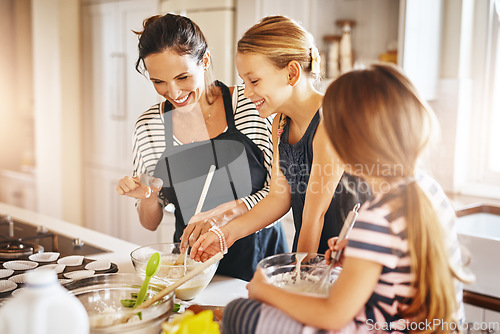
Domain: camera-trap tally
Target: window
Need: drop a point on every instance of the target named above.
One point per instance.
(483, 166)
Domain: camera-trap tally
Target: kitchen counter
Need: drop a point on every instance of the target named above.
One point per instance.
(218, 293)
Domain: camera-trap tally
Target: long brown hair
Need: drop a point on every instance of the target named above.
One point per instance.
(179, 34)
(374, 117)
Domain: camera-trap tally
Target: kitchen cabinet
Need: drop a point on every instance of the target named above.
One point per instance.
(216, 19)
(18, 189)
(114, 95)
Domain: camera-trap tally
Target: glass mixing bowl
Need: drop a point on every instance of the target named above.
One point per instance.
(101, 295)
(299, 272)
(169, 272)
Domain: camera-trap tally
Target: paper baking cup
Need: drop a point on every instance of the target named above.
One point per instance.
(79, 274)
(98, 265)
(44, 257)
(72, 260)
(58, 268)
(19, 279)
(6, 272)
(7, 285)
(15, 292)
(20, 265)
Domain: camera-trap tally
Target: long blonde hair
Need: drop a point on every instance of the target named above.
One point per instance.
(281, 39)
(374, 117)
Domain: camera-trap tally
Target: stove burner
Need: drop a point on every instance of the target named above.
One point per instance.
(15, 249)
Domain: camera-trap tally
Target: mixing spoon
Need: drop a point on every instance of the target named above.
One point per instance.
(151, 269)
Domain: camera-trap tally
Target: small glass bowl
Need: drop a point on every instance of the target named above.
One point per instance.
(169, 272)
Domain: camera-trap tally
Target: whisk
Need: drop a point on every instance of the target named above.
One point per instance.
(335, 255)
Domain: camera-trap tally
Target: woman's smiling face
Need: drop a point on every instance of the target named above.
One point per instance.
(265, 85)
(179, 79)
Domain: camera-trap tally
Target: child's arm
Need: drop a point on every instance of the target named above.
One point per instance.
(267, 211)
(325, 175)
(347, 296)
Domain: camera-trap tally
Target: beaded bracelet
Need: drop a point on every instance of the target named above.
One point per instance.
(222, 239)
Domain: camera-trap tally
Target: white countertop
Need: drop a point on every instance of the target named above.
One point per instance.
(218, 293)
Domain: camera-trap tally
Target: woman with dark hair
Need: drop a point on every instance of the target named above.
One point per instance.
(199, 117)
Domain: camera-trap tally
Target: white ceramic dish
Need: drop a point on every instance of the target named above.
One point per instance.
(20, 265)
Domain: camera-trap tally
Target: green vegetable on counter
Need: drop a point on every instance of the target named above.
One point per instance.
(177, 307)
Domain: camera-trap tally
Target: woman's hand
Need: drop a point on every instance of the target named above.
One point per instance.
(254, 286)
(334, 246)
(200, 224)
(193, 231)
(139, 187)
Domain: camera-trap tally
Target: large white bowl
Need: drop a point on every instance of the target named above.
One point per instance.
(169, 272)
(101, 296)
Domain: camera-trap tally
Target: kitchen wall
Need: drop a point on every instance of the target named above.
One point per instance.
(16, 90)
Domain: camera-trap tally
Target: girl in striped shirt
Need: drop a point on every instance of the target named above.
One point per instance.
(401, 264)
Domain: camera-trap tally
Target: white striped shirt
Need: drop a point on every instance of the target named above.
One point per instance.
(149, 138)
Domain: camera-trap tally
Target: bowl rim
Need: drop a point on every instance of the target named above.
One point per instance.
(260, 264)
(168, 299)
(144, 262)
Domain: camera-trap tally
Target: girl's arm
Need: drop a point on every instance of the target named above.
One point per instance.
(274, 206)
(346, 298)
(325, 175)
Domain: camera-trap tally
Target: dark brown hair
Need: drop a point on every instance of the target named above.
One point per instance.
(178, 34)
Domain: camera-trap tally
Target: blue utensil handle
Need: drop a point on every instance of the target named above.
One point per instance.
(346, 228)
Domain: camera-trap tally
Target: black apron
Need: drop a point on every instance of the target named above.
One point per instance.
(239, 172)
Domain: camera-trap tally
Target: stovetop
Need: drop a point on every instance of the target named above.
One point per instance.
(50, 241)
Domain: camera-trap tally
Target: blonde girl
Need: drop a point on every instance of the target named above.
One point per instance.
(399, 265)
(279, 63)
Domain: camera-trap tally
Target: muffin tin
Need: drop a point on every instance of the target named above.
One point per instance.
(69, 268)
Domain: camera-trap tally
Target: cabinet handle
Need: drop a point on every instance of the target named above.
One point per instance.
(119, 112)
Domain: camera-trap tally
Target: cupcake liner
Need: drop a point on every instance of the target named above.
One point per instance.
(58, 268)
(44, 257)
(98, 265)
(20, 265)
(72, 260)
(79, 274)
(6, 272)
(19, 279)
(7, 285)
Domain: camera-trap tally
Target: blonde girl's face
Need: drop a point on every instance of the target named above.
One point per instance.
(179, 79)
(265, 85)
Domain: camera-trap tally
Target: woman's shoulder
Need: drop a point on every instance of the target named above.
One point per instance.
(244, 109)
(150, 117)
